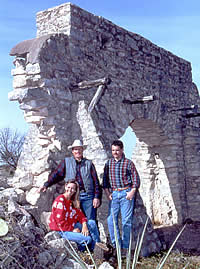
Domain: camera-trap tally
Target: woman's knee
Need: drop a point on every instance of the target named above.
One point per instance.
(87, 240)
(91, 223)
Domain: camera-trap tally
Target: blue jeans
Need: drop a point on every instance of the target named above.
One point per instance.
(81, 239)
(119, 204)
(86, 201)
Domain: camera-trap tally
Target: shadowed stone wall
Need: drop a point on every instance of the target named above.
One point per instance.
(73, 46)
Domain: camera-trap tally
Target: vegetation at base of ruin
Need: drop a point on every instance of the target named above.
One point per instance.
(11, 143)
(19, 250)
(176, 260)
(164, 260)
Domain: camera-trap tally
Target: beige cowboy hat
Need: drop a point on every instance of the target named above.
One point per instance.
(77, 143)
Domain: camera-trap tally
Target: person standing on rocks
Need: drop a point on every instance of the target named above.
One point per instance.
(120, 182)
(84, 172)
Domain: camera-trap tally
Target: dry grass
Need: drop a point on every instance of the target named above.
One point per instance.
(175, 260)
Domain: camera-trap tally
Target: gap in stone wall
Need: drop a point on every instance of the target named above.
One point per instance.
(129, 141)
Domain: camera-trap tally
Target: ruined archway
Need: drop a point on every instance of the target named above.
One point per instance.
(138, 84)
(155, 158)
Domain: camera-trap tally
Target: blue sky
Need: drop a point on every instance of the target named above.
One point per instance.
(172, 24)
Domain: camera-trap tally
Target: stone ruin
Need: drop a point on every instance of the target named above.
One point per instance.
(85, 77)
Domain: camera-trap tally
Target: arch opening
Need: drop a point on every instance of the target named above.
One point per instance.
(129, 141)
(155, 158)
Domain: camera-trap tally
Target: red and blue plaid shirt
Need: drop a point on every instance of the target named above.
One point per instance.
(120, 174)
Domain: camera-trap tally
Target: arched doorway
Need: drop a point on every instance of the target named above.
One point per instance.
(155, 157)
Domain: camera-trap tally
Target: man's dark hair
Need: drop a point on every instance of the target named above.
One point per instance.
(118, 143)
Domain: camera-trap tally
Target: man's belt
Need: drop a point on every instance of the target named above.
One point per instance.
(121, 189)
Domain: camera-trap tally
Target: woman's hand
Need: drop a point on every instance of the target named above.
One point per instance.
(85, 230)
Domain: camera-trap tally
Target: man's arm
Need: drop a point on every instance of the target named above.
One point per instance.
(135, 181)
(106, 183)
(134, 176)
(96, 182)
(108, 194)
(96, 200)
(56, 176)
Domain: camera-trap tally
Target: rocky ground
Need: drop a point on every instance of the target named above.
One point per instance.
(29, 245)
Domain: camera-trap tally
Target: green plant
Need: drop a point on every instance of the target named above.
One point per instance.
(118, 248)
(163, 260)
(75, 255)
(138, 247)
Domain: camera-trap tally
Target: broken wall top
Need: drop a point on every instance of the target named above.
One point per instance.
(85, 27)
(80, 46)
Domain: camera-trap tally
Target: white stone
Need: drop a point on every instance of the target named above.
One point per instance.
(19, 81)
(105, 265)
(33, 69)
(32, 196)
(33, 119)
(39, 180)
(39, 167)
(57, 144)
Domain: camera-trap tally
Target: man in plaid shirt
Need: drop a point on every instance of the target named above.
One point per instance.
(120, 182)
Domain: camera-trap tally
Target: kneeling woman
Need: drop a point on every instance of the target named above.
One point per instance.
(67, 218)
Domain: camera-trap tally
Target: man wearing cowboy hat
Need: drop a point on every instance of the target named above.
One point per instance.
(83, 170)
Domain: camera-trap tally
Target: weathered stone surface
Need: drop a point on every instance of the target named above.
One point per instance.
(12, 193)
(75, 46)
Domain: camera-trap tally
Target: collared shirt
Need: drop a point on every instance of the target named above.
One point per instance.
(79, 177)
(120, 173)
(59, 174)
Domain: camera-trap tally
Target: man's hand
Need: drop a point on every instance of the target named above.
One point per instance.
(96, 202)
(108, 194)
(42, 189)
(85, 230)
(130, 194)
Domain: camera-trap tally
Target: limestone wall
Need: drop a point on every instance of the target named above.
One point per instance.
(73, 46)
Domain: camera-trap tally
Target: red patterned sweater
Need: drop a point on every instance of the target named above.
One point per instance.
(64, 216)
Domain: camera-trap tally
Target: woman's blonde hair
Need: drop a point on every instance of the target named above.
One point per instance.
(75, 197)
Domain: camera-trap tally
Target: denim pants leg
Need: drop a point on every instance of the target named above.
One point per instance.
(94, 232)
(86, 201)
(114, 209)
(120, 204)
(127, 209)
(79, 238)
